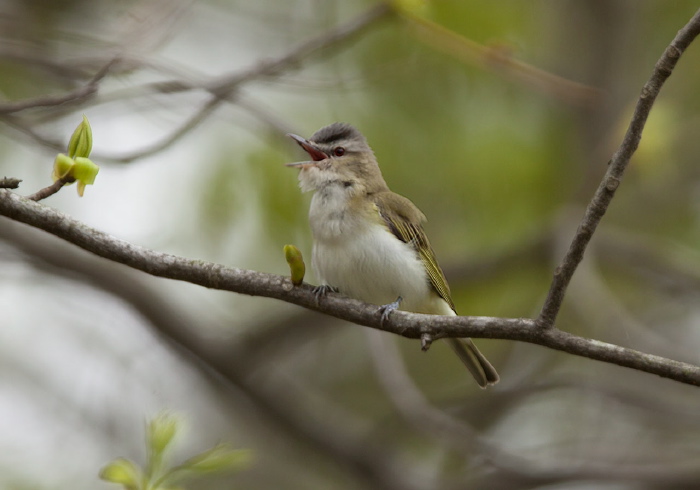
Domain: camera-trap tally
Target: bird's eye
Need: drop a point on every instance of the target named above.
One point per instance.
(339, 151)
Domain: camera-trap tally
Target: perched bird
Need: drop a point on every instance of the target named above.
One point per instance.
(369, 242)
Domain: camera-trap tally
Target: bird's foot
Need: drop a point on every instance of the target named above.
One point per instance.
(323, 290)
(426, 341)
(386, 310)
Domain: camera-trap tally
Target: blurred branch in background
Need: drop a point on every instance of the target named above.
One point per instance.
(499, 59)
(517, 471)
(224, 88)
(73, 97)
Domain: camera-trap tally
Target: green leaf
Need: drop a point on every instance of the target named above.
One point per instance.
(124, 472)
(62, 166)
(161, 432)
(84, 171)
(80, 144)
(219, 458)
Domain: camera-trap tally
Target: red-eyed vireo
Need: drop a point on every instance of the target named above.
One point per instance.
(369, 242)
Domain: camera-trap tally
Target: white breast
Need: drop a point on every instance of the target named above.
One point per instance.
(364, 260)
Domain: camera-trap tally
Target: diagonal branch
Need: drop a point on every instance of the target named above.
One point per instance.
(221, 89)
(77, 95)
(616, 167)
(410, 325)
(498, 60)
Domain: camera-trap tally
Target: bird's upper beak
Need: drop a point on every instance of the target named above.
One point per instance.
(315, 154)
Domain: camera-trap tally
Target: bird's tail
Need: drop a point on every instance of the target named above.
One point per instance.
(482, 370)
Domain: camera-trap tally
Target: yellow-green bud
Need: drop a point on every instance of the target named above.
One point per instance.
(161, 431)
(62, 167)
(297, 268)
(122, 471)
(84, 171)
(219, 458)
(80, 143)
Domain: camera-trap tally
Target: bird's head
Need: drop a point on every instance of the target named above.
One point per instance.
(340, 156)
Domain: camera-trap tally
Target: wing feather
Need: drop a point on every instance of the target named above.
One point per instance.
(407, 227)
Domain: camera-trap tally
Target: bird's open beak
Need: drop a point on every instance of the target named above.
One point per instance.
(315, 154)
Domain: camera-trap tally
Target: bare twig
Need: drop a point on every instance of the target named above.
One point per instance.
(191, 123)
(9, 183)
(616, 167)
(499, 60)
(410, 325)
(76, 95)
(221, 88)
(453, 432)
(48, 191)
(18, 124)
(410, 402)
(276, 66)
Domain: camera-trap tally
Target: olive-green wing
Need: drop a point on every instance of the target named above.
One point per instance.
(404, 220)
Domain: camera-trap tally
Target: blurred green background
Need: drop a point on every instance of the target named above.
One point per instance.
(496, 118)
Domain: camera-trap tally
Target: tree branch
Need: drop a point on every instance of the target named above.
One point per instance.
(81, 93)
(520, 472)
(48, 191)
(9, 183)
(221, 89)
(410, 325)
(616, 168)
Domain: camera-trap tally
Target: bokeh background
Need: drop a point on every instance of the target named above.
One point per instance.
(496, 118)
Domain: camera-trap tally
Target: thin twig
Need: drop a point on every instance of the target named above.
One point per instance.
(412, 404)
(410, 325)
(616, 168)
(222, 88)
(453, 432)
(499, 60)
(48, 191)
(81, 93)
(276, 66)
(9, 183)
(202, 113)
(17, 123)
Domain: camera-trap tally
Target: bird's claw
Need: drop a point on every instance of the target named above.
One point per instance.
(323, 290)
(426, 341)
(386, 310)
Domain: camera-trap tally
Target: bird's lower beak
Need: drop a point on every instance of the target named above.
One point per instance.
(301, 165)
(315, 154)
